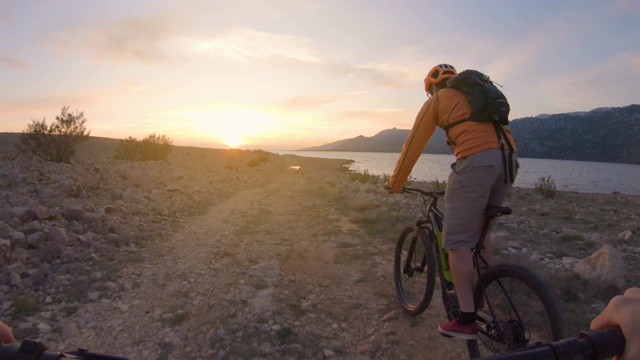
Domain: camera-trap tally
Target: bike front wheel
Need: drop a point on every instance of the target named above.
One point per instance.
(414, 270)
(516, 308)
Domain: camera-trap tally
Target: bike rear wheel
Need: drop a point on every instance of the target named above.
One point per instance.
(525, 311)
(414, 270)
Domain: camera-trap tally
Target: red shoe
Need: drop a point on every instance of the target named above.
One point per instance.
(453, 329)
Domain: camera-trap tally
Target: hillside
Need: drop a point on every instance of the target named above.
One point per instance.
(603, 134)
(389, 140)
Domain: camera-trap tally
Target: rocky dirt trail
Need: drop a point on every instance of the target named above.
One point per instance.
(233, 255)
(267, 273)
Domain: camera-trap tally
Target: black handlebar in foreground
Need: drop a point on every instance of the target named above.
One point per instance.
(33, 350)
(590, 344)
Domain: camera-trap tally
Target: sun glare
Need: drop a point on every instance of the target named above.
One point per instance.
(234, 142)
(230, 126)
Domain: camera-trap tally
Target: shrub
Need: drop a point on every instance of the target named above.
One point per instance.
(155, 147)
(55, 142)
(127, 149)
(24, 306)
(152, 147)
(546, 187)
(260, 157)
(284, 333)
(366, 177)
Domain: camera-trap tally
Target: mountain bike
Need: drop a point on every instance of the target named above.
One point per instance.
(515, 306)
(34, 350)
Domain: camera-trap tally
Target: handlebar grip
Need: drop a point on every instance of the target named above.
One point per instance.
(606, 343)
(27, 349)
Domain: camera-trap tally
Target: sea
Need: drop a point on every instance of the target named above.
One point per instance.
(568, 175)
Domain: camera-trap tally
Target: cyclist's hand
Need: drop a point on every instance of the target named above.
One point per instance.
(6, 336)
(623, 311)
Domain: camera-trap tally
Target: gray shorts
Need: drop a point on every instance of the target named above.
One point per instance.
(474, 182)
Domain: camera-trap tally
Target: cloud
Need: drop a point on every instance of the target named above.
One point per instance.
(308, 102)
(586, 89)
(244, 45)
(142, 39)
(13, 63)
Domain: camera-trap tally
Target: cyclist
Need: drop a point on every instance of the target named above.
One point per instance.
(477, 179)
(6, 336)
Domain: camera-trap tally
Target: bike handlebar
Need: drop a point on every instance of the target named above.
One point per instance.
(33, 350)
(590, 344)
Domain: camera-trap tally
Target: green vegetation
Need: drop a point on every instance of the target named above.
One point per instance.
(571, 237)
(151, 148)
(24, 306)
(259, 158)
(55, 142)
(546, 187)
(366, 177)
(284, 333)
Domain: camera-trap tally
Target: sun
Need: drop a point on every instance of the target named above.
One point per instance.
(231, 126)
(233, 142)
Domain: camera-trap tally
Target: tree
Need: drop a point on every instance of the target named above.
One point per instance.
(56, 142)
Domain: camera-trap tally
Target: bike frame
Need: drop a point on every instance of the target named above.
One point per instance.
(431, 228)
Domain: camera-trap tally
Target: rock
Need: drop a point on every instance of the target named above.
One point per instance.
(23, 214)
(625, 235)
(44, 328)
(16, 237)
(36, 239)
(328, 353)
(605, 265)
(58, 236)
(74, 209)
(41, 213)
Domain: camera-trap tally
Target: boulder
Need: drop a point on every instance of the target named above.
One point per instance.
(605, 266)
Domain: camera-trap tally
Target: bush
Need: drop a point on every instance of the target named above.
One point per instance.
(153, 147)
(260, 157)
(546, 187)
(56, 142)
(156, 147)
(127, 149)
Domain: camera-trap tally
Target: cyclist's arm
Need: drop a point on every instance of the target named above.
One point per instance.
(623, 311)
(423, 128)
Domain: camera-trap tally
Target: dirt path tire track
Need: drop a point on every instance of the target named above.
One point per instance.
(272, 272)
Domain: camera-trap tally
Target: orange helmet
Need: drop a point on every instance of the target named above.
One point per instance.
(438, 74)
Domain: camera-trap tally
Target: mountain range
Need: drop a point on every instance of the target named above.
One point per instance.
(603, 135)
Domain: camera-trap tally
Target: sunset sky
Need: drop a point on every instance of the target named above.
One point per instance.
(282, 75)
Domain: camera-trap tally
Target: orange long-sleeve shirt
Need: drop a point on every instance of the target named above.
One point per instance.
(445, 107)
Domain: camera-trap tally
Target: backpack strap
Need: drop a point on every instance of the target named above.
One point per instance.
(507, 161)
(450, 125)
(509, 177)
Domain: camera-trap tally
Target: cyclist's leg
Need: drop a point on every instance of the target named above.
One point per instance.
(497, 196)
(461, 262)
(468, 189)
